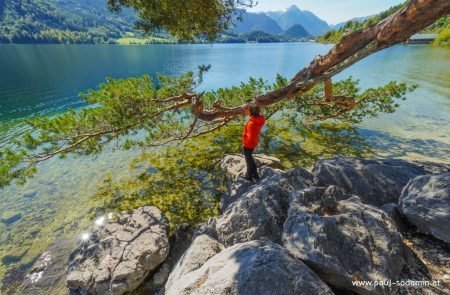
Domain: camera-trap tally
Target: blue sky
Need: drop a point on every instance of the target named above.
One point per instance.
(332, 11)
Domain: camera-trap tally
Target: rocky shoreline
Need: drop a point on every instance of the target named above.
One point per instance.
(323, 231)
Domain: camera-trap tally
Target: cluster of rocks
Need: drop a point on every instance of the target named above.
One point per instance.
(294, 232)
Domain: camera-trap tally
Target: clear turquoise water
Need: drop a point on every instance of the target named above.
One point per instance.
(42, 80)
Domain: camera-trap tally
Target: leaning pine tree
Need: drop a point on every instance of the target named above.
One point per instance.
(169, 109)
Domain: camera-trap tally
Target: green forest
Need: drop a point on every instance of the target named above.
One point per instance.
(61, 21)
(92, 22)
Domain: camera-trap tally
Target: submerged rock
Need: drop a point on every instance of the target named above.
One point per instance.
(257, 267)
(353, 242)
(10, 217)
(376, 182)
(118, 256)
(425, 202)
(29, 194)
(48, 273)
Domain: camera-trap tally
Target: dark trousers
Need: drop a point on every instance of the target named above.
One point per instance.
(252, 169)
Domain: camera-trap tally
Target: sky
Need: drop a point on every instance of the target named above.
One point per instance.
(332, 11)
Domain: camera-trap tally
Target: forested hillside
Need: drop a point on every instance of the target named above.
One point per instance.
(61, 21)
(297, 31)
(334, 36)
(441, 27)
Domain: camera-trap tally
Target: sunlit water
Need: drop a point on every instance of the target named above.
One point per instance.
(43, 80)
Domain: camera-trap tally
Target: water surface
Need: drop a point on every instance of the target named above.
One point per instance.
(44, 80)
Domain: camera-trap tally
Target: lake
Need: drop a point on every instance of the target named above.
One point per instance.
(46, 80)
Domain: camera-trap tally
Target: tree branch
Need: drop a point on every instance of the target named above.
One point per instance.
(414, 17)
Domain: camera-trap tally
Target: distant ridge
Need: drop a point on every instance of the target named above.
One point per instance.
(297, 31)
(294, 16)
(257, 22)
(358, 19)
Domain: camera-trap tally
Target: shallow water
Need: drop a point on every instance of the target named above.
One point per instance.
(36, 80)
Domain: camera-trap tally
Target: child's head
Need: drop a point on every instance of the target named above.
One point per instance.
(253, 110)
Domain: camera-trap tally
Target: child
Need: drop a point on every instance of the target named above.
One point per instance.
(250, 139)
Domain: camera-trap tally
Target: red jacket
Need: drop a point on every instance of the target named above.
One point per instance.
(252, 130)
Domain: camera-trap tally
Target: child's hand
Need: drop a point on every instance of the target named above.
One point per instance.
(246, 110)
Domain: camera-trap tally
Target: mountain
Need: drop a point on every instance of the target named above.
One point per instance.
(294, 16)
(297, 31)
(257, 22)
(61, 21)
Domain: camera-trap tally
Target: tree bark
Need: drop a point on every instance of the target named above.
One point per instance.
(397, 28)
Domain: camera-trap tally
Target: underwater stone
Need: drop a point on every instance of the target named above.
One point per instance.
(10, 217)
(29, 194)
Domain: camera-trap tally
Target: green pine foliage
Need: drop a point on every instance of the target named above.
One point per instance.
(136, 112)
(184, 181)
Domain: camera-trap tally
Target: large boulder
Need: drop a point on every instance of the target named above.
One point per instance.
(343, 240)
(239, 187)
(257, 267)
(234, 166)
(200, 251)
(376, 182)
(117, 256)
(425, 202)
(259, 214)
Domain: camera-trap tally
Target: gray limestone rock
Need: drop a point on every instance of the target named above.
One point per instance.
(257, 267)
(425, 202)
(118, 256)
